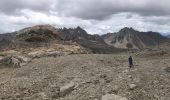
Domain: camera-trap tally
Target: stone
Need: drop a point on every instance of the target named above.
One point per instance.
(36, 54)
(54, 53)
(23, 59)
(96, 81)
(113, 97)
(50, 50)
(132, 86)
(64, 90)
(103, 76)
(11, 61)
(1, 59)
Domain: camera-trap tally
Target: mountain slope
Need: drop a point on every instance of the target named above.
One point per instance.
(130, 38)
(46, 35)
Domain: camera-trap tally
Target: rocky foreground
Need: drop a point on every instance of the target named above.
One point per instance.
(88, 77)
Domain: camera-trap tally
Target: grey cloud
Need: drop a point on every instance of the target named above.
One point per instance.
(160, 20)
(89, 9)
(14, 6)
(101, 9)
(96, 16)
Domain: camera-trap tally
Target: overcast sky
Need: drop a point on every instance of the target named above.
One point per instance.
(95, 16)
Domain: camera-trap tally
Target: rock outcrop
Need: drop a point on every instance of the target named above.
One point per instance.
(39, 33)
(11, 62)
(14, 61)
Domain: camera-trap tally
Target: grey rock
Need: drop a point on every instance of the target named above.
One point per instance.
(113, 97)
(11, 61)
(64, 90)
(132, 86)
(54, 53)
(23, 59)
(36, 54)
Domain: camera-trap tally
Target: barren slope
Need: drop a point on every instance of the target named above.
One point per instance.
(94, 76)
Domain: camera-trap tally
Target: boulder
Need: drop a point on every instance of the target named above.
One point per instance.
(23, 59)
(66, 89)
(113, 97)
(36, 54)
(11, 61)
(54, 53)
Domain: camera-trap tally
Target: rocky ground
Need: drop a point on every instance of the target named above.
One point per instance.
(88, 77)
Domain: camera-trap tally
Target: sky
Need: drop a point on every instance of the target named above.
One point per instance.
(95, 16)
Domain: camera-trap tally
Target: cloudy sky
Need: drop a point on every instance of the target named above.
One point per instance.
(96, 16)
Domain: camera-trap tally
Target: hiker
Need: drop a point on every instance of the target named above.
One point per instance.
(130, 62)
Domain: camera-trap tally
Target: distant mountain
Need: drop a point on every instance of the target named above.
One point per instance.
(130, 38)
(92, 42)
(44, 35)
(76, 34)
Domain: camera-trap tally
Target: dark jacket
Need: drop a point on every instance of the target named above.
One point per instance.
(130, 60)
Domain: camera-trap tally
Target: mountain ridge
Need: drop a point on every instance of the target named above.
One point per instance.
(43, 35)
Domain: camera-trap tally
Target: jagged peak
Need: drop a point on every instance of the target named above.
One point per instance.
(78, 27)
(127, 29)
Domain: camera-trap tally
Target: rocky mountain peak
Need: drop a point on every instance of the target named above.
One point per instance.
(79, 28)
(130, 38)
(41, 33)
(127, 30)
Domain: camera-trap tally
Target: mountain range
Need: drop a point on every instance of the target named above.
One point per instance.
(42, 35)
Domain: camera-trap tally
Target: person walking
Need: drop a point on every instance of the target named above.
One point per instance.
(130, 62)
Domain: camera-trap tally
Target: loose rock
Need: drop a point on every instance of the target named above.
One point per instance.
(11, 61)
(113, 97)
(54, 53)
(67, 89)
(132, 86)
